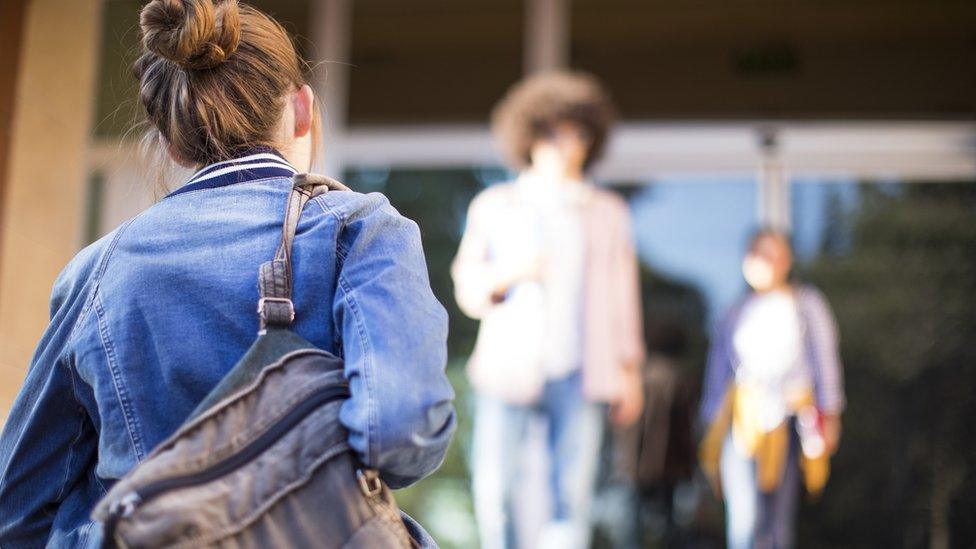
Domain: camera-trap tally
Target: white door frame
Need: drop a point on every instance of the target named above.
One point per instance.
(931, 151)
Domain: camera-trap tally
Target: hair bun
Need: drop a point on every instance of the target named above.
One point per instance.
(196, 34)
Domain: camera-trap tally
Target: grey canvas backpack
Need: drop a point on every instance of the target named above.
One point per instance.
(263, 461)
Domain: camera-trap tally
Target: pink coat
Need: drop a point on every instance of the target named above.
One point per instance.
(506, 355)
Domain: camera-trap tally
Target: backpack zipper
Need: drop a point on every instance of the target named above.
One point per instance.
(127, 504)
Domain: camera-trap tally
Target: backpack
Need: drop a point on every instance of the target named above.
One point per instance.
(263, 461)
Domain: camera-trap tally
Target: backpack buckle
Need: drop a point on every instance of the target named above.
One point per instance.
(124, 507)
(262, 309)
(369, 482)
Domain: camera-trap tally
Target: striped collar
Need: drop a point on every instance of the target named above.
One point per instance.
(259, 163)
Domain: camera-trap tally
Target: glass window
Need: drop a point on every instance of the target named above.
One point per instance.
(748, 60)
(437, 199)
(694, 230)
(689, 232)
(897, 262)
(117, 108)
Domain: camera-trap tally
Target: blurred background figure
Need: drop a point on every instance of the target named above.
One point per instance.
(649, 459)
(772, 398)
(548, 265)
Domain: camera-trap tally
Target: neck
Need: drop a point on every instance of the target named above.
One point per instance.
(561, 174)
(781, 287)
(298, 154)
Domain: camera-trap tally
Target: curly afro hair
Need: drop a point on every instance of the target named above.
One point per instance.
(533, 107)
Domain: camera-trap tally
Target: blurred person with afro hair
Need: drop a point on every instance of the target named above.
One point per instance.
(547, 264)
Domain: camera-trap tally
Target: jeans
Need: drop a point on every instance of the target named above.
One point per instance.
(575, 429)
(753, 518)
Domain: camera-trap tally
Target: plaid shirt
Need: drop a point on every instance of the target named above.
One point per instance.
(821, 354)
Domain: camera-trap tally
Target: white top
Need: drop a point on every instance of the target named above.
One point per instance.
(557, 243)
(514, 335)
(768, 343)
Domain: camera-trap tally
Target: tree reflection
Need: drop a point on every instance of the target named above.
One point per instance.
(899, 269)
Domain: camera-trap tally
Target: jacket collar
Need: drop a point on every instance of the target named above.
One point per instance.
(256, 163)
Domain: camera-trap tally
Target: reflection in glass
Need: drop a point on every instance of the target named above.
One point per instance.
(898, 263)
(695, 230)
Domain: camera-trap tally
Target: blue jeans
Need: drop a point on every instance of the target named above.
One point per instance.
(575, 429)
(753, 518)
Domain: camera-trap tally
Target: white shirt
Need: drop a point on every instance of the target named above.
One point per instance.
(514, 334)
(768, 342)
(557, 241)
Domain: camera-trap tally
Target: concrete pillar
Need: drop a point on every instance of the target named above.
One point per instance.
(774, 184)
(546, 42)
(331, 29)
(47, 171)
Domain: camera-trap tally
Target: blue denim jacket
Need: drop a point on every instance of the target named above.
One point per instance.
(147, 320)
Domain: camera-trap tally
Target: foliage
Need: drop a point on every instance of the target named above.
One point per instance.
(900, 273)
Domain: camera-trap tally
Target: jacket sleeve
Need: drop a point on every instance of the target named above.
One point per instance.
(400, 416)
(472, 271)
(824, 352)
(631, 328)
(48, 444)
(718, 372)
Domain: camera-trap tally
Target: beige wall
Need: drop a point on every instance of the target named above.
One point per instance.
(48, 161)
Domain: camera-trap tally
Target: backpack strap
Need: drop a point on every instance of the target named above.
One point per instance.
(275, 307)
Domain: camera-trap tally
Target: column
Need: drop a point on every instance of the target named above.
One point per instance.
(774, 184)
(47, 169)
(546, 41)
(331, 30)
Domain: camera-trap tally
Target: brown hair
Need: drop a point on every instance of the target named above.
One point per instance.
(213, 77)
(532, 108)
(769, 232)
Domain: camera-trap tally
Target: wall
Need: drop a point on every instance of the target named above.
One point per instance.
(47, 166)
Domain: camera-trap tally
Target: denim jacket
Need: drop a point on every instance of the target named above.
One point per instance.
(147, 320)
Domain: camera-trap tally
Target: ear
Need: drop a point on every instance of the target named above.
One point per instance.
(303, 100)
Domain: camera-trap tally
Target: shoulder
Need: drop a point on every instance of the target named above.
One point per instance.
(606, 197)
(608, 203)
(83, 270)
(811, 297)
(609, 214)
(494, 196)
(369, 219)
(490, 203)
(350, 206)
(813, 303)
